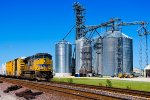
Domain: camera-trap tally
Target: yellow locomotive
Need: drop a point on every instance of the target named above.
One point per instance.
(38, 66)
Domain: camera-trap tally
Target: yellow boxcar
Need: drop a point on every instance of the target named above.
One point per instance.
(9, 68)
(14, 67)
(38, 66)
(20, 66)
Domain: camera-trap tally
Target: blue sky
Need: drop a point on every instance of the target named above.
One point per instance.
(31, 26)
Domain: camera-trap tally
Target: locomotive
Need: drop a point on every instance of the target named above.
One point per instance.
(35, 67)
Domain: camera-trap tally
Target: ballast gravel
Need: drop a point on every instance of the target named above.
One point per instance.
(45, 96)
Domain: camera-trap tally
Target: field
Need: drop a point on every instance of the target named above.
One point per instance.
(134, 85)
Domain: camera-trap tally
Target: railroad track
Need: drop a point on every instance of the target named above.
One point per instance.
(111, 89)
(86, 91)
(46, 87)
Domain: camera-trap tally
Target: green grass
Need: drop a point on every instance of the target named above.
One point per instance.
(134, 85)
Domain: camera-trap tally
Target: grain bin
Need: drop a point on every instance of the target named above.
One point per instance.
(117, 53)
(83, 57)
(63, 53)
(98, 55)
(127, 54)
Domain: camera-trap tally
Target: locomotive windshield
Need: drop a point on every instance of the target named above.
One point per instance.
(48, 56)
(39, 56)
(43, 56)
(44, 65)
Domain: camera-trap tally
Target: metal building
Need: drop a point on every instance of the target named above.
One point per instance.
(97, 56)
(147, 71)
(117, 53)
(83, 57)
(63, 54)
(87, 58)
(127, 54)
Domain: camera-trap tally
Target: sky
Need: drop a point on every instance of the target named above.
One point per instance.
(28, 27)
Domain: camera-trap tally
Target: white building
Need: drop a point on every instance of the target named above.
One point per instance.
(137, 72)
(3, 69)
(147, 71)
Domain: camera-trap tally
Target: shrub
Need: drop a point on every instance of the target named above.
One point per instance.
(61, 80)
(108, 83)
(70, 80)
(128, 87)
(100, 84)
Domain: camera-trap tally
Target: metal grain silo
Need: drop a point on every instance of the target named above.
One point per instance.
(97, 56)
(117, 53)
(87, 58)
(83, 57)
(127, 54)
(63, 53)
(109, 56)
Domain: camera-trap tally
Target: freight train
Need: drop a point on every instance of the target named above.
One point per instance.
(35, 67)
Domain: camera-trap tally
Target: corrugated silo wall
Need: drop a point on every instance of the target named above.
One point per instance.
(98, 56)
(127, 55)
(63, 53)
(79, 45)
(109, 58)
(79, 55)
(111, 55)
(87, 57)
(83, 55)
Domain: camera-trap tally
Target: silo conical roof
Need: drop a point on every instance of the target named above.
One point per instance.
(116, 34)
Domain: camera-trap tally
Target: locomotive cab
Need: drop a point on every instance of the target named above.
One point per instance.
(39, 67)
(43, 66)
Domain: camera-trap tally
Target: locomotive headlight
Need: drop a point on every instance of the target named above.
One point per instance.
(44, 60)
(41, 67)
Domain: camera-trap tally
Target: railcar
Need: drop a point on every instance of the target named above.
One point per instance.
(38, 66)
(35, 67)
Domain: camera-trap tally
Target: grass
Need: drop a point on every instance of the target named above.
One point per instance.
(134, 85)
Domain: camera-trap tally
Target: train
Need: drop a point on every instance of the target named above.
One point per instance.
(36, 67)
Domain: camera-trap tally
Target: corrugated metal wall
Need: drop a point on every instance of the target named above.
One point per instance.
(117, 54)
(109, 59)
(98, 55)
(63, 54)
(127, 55)
(83, 55)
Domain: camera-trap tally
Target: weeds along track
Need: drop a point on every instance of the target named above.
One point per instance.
(78, 94)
